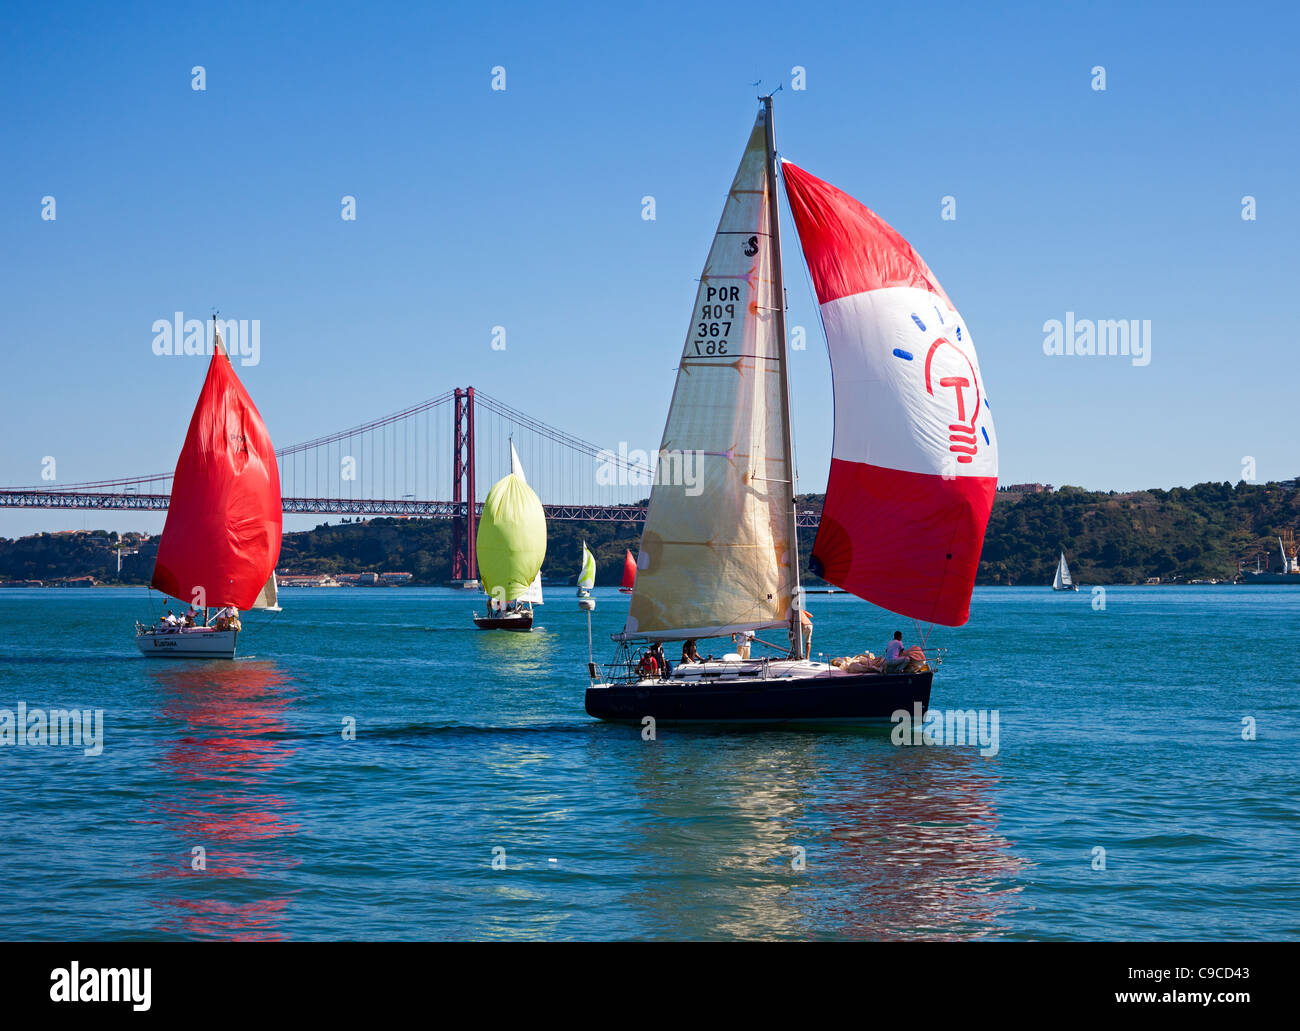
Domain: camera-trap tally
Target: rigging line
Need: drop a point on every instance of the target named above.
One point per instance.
(528, 422)
(373, 424)
(281, 453)
(785, 303)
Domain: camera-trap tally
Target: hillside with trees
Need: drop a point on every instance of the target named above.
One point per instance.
(1196, 532)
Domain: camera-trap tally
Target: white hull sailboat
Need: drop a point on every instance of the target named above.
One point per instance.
(186, 642)
(215, 636)
(221, 539)
(912, 478)
(1062, 581)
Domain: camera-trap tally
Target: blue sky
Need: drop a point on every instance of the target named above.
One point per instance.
(522, 208)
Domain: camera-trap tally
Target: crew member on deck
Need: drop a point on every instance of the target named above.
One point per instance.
(649, 665)
(742, 641)
(690, 653)
(658, 652)
(894, 660)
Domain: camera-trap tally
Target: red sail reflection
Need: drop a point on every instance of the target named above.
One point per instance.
(227, 749)
(916, 851)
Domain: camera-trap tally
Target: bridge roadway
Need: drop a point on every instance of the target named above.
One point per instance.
(131, 501)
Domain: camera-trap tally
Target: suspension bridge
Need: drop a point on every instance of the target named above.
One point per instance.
(433, 460)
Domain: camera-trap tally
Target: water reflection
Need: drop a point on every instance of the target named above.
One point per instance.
(913, 846)
(512, 654)
(226, 752)
(899, 842)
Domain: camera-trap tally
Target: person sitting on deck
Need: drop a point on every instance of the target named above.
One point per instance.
(690, 653)
(649, 665)
(894, 660)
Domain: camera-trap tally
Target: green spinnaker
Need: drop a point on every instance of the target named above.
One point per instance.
(511, 540)
(587, 578)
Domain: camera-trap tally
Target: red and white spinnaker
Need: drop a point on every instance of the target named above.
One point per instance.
(915, 460)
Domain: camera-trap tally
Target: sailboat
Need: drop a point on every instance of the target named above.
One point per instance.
(1063, 581)
(511, 547)
(586, 576)
(221, 539)
(629, 574)
(912, 478)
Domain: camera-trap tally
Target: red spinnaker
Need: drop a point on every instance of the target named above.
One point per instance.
(914, 467)
(629, 573)
(222, 536)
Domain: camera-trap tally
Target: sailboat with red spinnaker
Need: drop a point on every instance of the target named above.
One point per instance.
(224, 522)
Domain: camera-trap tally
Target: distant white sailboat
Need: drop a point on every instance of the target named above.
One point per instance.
(1063, 581)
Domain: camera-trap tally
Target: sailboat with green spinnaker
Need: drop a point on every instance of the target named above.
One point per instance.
(511, 547)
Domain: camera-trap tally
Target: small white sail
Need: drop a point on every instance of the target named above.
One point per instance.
(1062, 580)
(717, 554)
(267, 598)
(534, 592)
(515, 466)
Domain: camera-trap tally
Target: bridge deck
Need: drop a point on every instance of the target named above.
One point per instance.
(119, 501)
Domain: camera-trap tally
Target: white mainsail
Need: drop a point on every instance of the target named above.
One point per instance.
(267, 597)
(534, 592)
(718, 553)
(1062, 580)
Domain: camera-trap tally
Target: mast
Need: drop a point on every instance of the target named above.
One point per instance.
(774, 227)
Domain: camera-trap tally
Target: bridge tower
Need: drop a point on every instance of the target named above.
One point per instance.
(464, 564)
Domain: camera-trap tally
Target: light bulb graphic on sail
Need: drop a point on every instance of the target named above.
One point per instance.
(950, 377)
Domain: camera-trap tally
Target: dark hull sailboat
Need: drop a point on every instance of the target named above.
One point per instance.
(866, 698)
(511, 546)
(912, 479)
(521, 622)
